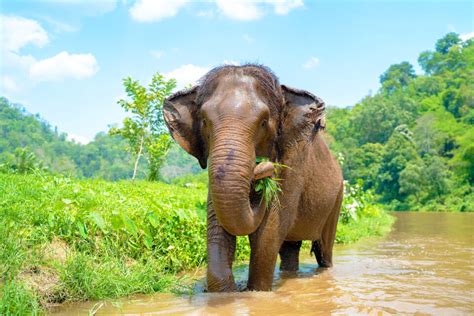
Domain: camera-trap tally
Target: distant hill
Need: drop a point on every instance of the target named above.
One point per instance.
(23, 134)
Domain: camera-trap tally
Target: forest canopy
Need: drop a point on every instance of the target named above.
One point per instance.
(413, 141)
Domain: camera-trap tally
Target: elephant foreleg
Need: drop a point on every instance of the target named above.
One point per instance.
(220, 255)
(264, 244)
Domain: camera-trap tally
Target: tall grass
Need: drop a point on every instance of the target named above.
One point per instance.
(65, 239)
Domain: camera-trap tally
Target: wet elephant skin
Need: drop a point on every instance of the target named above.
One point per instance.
(235, 114)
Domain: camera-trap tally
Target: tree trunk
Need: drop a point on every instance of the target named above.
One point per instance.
(138, 158)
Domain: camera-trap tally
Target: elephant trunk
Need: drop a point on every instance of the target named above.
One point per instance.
(231, 171)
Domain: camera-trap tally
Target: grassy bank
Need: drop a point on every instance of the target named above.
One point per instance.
(65, 239)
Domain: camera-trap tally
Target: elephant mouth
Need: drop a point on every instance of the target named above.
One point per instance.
(261, 170)
(255, 198)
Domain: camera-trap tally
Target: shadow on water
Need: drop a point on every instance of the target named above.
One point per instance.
(425, 265)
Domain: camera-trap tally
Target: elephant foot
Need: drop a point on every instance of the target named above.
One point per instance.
(221, 283)
(261, 287)
(220, 287)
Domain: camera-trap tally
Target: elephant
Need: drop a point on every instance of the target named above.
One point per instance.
(233, 115)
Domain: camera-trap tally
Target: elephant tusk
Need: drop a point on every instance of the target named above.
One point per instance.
(264, 170)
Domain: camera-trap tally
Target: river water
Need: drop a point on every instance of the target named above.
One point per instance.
(425, 266)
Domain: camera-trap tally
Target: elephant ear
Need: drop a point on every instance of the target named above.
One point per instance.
(302, 115)
(181, 114)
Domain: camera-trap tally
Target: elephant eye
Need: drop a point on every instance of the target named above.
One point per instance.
(264, 123)
(204, 122)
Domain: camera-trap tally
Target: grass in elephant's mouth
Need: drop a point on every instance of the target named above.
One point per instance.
(269, 187)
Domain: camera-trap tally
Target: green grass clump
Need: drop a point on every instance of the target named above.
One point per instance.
(269, 187)
(17, 299)
(364, 227)
(118, 238)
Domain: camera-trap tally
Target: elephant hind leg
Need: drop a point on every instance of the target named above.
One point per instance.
(289, 254)
(324, 260)
(322, 248)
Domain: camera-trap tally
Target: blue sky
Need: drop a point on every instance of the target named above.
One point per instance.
(65, 59)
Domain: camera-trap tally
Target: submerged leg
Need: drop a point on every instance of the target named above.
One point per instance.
(289, 254)
(264, 244)
(323, 248)
(220, 255)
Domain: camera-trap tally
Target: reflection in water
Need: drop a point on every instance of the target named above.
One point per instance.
(424, 266)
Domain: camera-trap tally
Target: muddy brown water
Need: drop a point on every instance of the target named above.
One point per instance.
(424, 266)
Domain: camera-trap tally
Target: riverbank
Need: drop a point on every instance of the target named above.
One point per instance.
(64, 239)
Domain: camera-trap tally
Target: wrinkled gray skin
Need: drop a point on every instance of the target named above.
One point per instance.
(228, 120)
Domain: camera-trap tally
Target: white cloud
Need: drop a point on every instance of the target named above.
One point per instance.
(247, 10)
(466, 36)
(64, 65)
(78, 139)
(311, 63)
(240, 9)
(18, 32)
(187, 74)
(17, 62)
(248, 38)
(282, 7)
(244, 10)
(205, 13)
(9, 85)
(155, 10)
(156, 53)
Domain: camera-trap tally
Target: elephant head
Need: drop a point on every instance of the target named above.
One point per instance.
(235, 114)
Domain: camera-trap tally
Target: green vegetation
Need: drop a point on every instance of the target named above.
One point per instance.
(21, 132)
(269, 187)
(27, 141)
(412, 142)
(65, 239)
(145, 130)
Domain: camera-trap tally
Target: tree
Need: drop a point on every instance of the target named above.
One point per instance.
(428, 139)
(397, 76)
(145, 129)
(374, 118)
(399, 151)
(411, 180)
(436, 174)
(449, 40)
(25, 161)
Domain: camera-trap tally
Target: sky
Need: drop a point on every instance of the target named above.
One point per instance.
(65, 59)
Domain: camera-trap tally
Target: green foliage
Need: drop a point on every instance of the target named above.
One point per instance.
(397, 77)
(269, 187)
(364, 227)
(44, 148)
(412, 142)
(120, 238)
(17, 299)
(444, 44)
(145, 129)
(25, 161)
